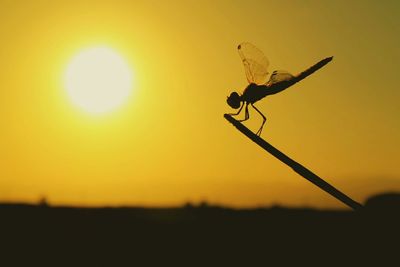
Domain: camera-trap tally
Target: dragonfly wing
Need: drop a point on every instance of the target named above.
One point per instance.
(279, 76)
(255, 63)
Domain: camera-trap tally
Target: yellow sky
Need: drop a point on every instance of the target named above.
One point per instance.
(169, 143)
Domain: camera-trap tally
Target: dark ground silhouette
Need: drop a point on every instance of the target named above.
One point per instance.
(42, 235)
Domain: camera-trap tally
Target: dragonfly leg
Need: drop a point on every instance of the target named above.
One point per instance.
(264, 120)
(237, 113)
(246, 113)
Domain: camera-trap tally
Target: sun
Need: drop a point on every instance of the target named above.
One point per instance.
(98, 80)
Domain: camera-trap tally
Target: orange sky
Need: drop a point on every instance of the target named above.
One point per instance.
(169, 143)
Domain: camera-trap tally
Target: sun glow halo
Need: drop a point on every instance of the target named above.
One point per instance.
(98, 80)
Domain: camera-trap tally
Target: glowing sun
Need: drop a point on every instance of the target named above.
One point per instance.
(98, 80)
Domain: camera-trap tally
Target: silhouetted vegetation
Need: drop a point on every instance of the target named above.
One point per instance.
(197, 235)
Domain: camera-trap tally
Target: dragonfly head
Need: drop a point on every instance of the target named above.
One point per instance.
(234, 100)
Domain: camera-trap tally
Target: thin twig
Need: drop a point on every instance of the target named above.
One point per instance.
(297, 167)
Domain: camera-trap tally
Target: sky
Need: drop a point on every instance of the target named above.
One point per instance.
(169, 144)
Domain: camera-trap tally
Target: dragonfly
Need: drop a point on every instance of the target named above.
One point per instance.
(256, 68)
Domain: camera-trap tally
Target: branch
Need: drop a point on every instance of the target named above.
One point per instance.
(297, 167)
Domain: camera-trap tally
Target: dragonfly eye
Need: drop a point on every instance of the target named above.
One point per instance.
(233, 100)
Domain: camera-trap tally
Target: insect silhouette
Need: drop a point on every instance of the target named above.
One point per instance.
(256, 68)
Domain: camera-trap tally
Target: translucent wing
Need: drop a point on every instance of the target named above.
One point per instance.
(279, 76)
(255, 63)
